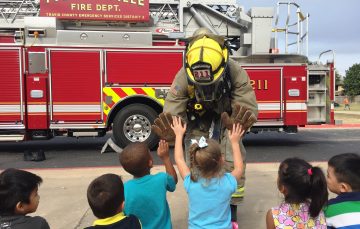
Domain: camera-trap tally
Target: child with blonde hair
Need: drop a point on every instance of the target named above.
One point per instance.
(209, 189)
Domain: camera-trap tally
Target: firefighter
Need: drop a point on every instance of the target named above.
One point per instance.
(203, 93)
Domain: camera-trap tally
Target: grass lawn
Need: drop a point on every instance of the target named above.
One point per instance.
(349, 118)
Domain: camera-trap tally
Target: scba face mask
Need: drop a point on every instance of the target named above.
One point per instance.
(210, 93)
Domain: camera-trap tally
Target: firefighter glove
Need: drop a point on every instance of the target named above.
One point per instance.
(162, 127)
(240, 114)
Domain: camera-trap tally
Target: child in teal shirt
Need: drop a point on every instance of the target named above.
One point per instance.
(145, 195)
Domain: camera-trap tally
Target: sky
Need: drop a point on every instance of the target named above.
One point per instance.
(333, 24)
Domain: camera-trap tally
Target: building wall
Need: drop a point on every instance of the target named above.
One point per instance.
(340, 99)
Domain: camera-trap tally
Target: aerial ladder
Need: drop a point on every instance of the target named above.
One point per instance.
(248, 33)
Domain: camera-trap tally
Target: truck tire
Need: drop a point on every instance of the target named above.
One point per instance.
(133, 124)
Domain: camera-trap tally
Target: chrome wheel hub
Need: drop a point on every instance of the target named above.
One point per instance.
(137, 128)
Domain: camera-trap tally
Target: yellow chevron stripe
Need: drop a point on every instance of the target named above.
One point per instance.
(128, 90)
(151, 92)
(106, 109)
(110, 92)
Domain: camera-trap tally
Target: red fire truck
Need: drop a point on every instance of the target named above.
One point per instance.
(71, 69)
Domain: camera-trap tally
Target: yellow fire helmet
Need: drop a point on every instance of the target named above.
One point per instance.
(205, 61)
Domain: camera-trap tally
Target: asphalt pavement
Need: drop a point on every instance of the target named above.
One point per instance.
(63, 196)
(72, 164)
(310, 144)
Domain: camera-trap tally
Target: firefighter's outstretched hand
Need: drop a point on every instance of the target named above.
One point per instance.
(240, 114)
(162, 127)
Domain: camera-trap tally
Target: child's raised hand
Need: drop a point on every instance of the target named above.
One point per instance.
(178, 127)
(163, 149)
(236, 133)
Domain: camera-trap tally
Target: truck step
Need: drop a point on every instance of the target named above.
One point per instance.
(85, 134)
(12, 138)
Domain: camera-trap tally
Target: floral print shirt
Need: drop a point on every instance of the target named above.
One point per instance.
(289, 216)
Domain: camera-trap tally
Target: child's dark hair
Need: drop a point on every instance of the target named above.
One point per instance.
(206, 161)
(135, 159)
(16, 186)
(303, 183)
(105, 195)
(347, 169)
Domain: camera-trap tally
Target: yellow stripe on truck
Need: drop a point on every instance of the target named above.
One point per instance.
(106, 109)
(151, 92)
(129, 91)
(110, 92)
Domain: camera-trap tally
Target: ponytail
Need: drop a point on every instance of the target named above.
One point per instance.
(303, 183)
(319, 193)
(192, 152)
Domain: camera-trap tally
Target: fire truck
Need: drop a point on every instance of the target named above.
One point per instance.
(83, 69)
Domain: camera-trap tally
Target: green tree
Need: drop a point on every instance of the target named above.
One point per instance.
(337, 77)
(352, 80)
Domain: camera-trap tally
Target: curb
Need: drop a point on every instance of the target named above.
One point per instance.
(332, 126)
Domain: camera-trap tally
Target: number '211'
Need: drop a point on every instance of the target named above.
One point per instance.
(259, 84)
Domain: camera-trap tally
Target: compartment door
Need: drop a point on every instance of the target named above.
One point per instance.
(75, 86)
(155, 67)
(267, 84)
(11, 89)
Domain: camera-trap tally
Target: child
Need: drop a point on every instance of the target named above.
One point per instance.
(145, 195)
(305, 192)
(343, 178)
(208, 187)
(105, 195)
(19, 197)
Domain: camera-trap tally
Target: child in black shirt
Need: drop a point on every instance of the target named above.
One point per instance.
(19, 197)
